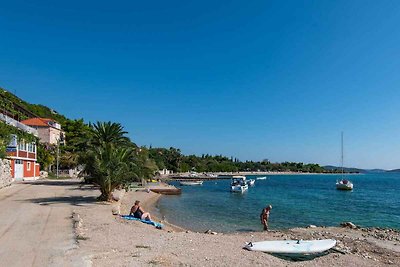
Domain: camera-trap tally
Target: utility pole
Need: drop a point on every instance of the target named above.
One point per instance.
(58, 152)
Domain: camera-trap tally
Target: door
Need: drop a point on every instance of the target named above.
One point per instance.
(18, 170)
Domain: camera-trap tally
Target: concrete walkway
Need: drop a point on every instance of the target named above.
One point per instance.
(36, 226)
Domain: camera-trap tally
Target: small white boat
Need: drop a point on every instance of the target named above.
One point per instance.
(292, 246)
(191, 182)
(262, 178)
(239, 184)
(251, 182)
(344, 185)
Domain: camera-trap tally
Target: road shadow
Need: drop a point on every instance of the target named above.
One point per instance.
(72, 200)
(54, 182)
(81, 199)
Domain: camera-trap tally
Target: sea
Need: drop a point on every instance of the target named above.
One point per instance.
(297, 201)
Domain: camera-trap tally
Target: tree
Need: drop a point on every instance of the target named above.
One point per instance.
(108, 133)
(112, 160)
(45, 157)
(110, 168)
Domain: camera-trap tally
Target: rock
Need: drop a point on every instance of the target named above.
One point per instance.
(348, 225)
(44, 174)
(116, 210)
(117, 195)
(210, 232)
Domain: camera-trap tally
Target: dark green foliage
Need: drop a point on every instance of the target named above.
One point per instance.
(112, 161)
(45, 156)
(21, 109)
(172, 159)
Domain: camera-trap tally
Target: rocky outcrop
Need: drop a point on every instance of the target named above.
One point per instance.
(5, 173)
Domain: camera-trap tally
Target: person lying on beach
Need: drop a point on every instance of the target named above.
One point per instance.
(264, 216)
(138, 212)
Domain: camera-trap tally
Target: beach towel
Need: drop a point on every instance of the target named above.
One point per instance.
(131, 218)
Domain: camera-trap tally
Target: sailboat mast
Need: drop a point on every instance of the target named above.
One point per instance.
(342, 155)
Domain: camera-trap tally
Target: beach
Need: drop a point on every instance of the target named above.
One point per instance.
(61, 223)
(110, 240)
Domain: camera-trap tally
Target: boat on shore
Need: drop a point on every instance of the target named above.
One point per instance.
(239, 184)
(292, 247)
(167, 191)
(191, 182)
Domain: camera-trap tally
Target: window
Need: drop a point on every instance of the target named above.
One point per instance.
(31, 147)
(28, 166)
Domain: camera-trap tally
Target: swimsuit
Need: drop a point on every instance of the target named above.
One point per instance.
(138, 214)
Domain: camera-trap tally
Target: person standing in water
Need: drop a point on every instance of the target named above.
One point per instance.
(264, 216)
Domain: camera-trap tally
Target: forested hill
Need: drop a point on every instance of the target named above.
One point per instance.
(21, 110)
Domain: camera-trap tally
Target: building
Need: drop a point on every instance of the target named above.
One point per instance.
(49, 130)
(23, 155)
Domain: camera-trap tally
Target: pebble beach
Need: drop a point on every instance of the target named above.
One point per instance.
(106, 239)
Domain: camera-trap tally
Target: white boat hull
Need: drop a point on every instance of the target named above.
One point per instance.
(239, 188)
(292, 246)
(340, 185)
(191, 183)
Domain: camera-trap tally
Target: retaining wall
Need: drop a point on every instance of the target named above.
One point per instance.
(5, 173)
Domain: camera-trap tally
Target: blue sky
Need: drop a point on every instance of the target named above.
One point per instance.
(249, 79)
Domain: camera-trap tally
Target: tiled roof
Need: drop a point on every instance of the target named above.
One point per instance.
(37, 122)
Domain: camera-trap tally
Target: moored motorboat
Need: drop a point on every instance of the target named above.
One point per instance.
(239, 184)
(251, 182)
(191, 182)
(344, 185)
(262, 178)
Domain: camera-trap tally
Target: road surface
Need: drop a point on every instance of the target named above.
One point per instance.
(36, 226)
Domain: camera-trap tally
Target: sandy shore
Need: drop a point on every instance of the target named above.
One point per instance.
(110, 240)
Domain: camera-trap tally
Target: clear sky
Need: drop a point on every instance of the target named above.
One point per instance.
(250, 79)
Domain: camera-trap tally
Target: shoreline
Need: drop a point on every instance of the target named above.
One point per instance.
(132, 243)
(153, 209)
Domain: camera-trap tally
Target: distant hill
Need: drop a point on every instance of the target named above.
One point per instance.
(345, 169)
(395, 170)
(376, 170)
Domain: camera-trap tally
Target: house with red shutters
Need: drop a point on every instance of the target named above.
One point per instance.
(22, 153)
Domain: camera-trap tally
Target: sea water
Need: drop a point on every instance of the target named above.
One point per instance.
(297, 200)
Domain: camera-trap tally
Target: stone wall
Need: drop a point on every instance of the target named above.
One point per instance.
(5, 173)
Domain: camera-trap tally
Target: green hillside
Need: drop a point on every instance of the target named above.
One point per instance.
(19, 109)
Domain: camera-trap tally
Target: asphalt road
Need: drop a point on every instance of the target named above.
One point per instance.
(36, 226)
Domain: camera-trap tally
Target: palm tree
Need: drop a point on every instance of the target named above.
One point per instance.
(112, 160)
(109, 133)
(110, 168)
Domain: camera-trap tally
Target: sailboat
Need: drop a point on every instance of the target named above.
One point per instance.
(343, 184)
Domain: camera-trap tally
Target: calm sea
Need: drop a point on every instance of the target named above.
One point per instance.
(297, 200)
